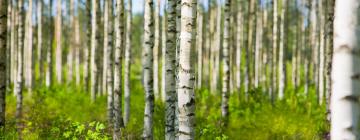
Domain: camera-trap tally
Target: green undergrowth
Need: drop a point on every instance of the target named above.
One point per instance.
(66, 112)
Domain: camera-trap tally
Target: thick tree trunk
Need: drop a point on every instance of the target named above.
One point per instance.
(3, 34)
(119, 32)
(127, 88)
(346, 72)
(170, 68)
(147, 63)
(186, 97)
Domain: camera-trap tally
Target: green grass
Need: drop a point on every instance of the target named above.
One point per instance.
(66, 112)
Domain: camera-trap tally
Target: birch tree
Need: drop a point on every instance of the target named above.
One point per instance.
(39, 12)
(239, 43)
(108, 45)
(3, 34)
(19, 83)
(156, 49)
(274, 48)
(226, 62)
(186, 97)
(58, 42)
(345, 74)
(49, 51)
(28, 56)
(170, 68)
(119, 31)
(94, 48)
(147, 58)
(321, 53)
(282, 49)
(199, 43)
(128, 38)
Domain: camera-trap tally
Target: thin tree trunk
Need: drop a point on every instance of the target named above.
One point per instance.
(226, 63)
(94, 48)
(329, 53)
(163, 49)
(345, 74)
(3, 74)
(58, 42)
(147, 58)
(119, 31)
(40, 49)
(108, 49)
(199, 43)
(13, 45)
(322, 53)
(239, 43)
(282, 52)
(49, 51)
(8, 46)
(156, 49)
(87, 47)
(71, 47)
(258, 46)
(274, 48)
(127, 88)
(77, 48)
(19, 84)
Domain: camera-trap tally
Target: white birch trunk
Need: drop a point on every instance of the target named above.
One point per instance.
(156, 49)
(28, 50)
(239, 44)
(108, 48)
(274, 48)
(226, 63)
(199, 44)
(93, 53)
(127, 89)
(58, 42)
(282, 49)
(119, 32)
(163, 49)
(147, 63)
(186, 97)
(19, 84)
(170, 70)
(346, 72)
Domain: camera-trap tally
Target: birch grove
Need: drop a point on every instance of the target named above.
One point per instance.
(179, 69)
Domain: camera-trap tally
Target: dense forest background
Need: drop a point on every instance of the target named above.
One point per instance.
(192, 69)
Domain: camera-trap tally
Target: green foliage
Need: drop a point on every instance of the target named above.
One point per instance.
(66, 112)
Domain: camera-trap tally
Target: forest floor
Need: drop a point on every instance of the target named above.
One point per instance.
(66, 112)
